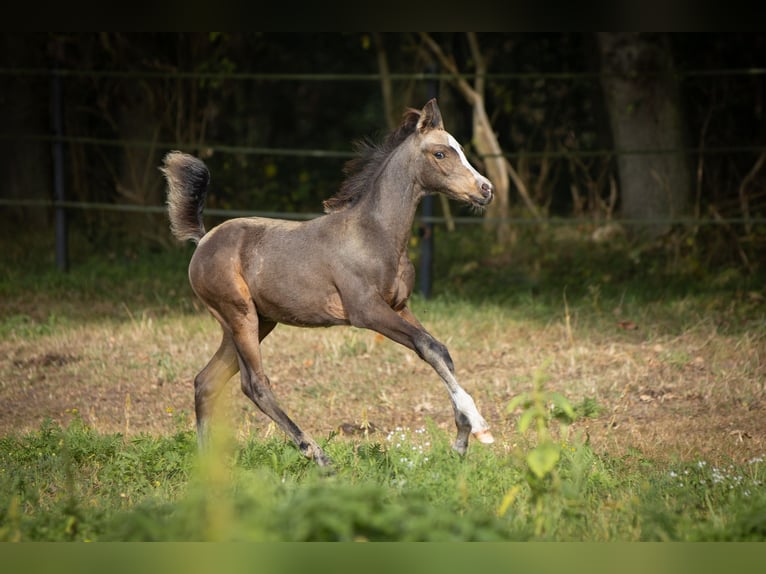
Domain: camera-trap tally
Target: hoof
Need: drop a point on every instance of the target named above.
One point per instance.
(326, 469)
(484, 436)
(322, 461)
(312, 451)
(460, 448)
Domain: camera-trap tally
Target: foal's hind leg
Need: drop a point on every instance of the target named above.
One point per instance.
(256, 385)
(209, 383)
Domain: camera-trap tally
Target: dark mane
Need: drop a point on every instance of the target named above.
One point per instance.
(361, 170)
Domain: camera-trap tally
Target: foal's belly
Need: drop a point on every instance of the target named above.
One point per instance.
(298, 300)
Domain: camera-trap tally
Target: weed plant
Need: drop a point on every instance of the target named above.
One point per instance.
(68, 484)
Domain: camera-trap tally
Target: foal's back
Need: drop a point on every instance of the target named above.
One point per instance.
(285, 268)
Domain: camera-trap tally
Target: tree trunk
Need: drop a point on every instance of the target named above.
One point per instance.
(643, 102)
(25, 164)
(484, 138)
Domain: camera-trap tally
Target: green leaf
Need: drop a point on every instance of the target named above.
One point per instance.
(542, 459)
(516, 402)
(526, 419)
(563, 404)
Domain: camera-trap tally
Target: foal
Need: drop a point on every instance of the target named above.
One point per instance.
(348, 267)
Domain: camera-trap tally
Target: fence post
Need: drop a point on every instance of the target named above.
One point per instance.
(59, 193)
(427, 211)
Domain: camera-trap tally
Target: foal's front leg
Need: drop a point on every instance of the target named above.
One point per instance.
(467, 417)
(404, 328)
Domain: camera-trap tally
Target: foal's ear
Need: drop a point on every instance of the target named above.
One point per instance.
(430, 117)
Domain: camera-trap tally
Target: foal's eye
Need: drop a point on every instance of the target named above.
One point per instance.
(439, 155)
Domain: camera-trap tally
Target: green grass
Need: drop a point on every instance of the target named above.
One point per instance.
(549, 267)
(701, 330)
(73, 484)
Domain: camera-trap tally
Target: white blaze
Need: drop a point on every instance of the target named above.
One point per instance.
(464, 160)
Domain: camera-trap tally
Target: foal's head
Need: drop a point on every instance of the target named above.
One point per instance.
(439, 162)
(442, 164)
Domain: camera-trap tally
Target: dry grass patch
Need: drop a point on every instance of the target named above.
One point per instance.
(668, 391)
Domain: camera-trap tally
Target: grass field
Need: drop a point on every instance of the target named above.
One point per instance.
(625, 390)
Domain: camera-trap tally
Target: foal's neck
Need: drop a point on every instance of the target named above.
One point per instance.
(392, 203)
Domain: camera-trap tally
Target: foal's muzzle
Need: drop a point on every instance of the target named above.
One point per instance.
(486, 192)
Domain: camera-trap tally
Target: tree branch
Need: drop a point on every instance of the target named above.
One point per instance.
(385, 80)
(743, 202)
(479, 62)
(522, 189)
(468, 92)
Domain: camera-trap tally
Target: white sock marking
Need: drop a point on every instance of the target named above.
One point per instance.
(465, 404)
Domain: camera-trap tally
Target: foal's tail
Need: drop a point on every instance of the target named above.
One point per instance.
(187, 178)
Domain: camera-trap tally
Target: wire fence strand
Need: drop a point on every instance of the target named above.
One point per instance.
(348, 77)
(463, 220)
(348, 154)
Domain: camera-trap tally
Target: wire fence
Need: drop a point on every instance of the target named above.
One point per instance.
(301, 216)
(356, 77)
(351, 77)
(343, 154)
(57, 139)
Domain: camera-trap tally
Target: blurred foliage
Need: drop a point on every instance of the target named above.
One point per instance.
(134, 99)
(74, 484)
(552, 258)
